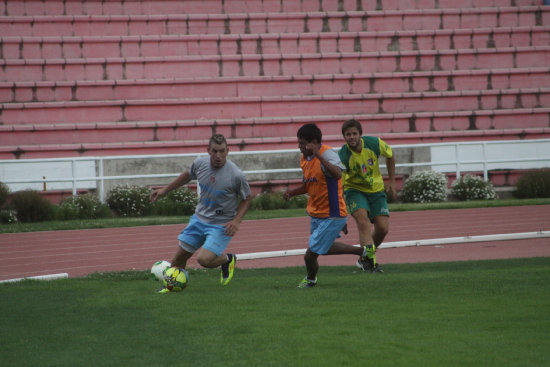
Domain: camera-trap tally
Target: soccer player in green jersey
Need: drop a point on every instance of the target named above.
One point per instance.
(364, 188)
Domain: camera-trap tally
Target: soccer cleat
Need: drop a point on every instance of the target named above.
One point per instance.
(371, 250)
(364, 264)
(368, 261)
(227, 269)
(377, 268)
(371, 254)
(164, 290)
(306, 283)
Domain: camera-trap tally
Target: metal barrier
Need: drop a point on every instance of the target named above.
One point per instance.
(541, 157)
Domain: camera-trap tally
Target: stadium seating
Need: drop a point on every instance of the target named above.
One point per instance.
(105, 77)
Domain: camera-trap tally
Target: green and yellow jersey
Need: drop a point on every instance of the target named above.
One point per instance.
(362, 169)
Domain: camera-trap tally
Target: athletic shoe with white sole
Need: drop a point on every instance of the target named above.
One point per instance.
(377, 268)
(364, 264)
(368, 262)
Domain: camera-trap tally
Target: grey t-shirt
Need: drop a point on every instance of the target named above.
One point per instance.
(220, 189)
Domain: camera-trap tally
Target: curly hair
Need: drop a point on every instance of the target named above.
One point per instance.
(310, 132)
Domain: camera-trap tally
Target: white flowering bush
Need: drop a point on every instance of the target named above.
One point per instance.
(86, 206)
(471, 187)
(181, 201)
(425, 187)
(130, 201)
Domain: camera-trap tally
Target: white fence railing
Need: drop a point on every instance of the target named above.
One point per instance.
(457, 157)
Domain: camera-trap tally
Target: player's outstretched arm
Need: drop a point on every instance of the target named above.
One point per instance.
(178, 181)
(390, 165)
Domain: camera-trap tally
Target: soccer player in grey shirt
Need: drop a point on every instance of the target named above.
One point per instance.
(218, 213)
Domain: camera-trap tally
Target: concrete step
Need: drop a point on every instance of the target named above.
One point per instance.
(256, 143)
(288, 22)
(398, 82)
(68, 47)
(149, 7)
(403, 127)
(12, 70)
(272, 106)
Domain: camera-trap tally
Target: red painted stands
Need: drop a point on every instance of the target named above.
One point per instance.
(143, 77)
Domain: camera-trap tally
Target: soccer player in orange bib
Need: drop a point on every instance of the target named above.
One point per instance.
(322, 180)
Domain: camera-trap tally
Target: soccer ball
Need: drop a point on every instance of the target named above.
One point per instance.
(158, 269)
(175, 279)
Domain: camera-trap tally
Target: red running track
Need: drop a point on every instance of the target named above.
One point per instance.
(80, 252)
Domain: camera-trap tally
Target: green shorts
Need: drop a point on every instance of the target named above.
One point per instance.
(375, 204)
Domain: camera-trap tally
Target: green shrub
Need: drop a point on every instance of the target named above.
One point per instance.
(7, 216)
(130, 201)
(299, 201)
(275, 200)
(30, 206)
(4, 193)
(534, 184)
(470, 187)
(181, 201)
(85, 206)
(425, 187)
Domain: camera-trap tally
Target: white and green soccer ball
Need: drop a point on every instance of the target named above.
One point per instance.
(158, 269)
(175, 279)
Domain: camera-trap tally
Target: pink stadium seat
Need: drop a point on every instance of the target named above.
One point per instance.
(123, 77)
(96, 7)
(272, 22)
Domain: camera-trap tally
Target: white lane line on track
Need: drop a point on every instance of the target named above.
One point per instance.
(38, 277)
(429, 242)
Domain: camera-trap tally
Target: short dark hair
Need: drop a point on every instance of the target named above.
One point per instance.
(310, 132)
(352, 123)
(217, 139)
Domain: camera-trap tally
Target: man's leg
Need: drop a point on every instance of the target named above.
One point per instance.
(363, 226)
(208, 259)
(322, 241)
(180, 258)
(339, 248)
(378, 204)
(367, 262)
(381, 229)
(312, 265)
(212, 253)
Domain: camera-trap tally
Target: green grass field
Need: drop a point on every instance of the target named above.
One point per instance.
(483, 313)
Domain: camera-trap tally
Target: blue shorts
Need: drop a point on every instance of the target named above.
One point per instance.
(324, 231)
(208, 236)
